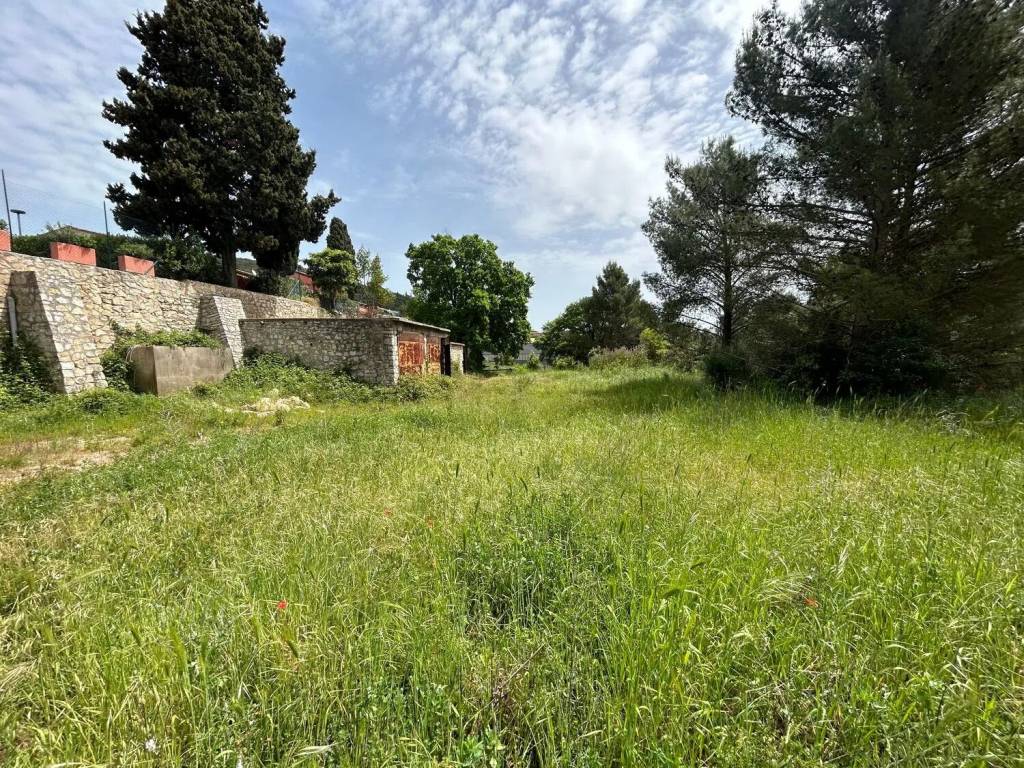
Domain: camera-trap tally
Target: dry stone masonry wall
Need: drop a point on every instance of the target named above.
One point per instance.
(219, 316)
(69, 310)
(366, 349)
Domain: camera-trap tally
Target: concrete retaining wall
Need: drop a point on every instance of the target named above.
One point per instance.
(163, 370)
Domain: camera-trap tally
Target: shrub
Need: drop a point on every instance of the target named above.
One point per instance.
(654, 345)
(726, 369)
(290, 378)
(107, 247)
(533, 362)
(23, 375)
(117, 368)
(564, 363)
(623, 357)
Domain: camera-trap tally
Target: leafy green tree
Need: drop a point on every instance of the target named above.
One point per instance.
(617, 312)
(718, 253)
(206, 119)
(376, 284)
(569, 335)
(333, 273)
(463, 285)
(897, 129)
(654, 345)
(338, 238)
(185, 258)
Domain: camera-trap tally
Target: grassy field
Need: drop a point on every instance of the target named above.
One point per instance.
(542, 569)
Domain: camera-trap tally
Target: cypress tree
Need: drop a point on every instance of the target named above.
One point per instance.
(206, 119)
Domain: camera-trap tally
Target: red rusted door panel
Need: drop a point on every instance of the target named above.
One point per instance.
(434, 365)
(410, 357)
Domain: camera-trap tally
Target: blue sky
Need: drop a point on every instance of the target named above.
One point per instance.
(542, 126)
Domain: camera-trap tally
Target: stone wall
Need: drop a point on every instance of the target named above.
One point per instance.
(69, 310)
(219, 316)
(458, 354)
(366, 349)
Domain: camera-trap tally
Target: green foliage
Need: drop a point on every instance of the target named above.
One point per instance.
(569, 335)
(107, 247)
(463, 285)
(616, 310)
(3, 225)
(565, 363)
(611, 317)
(333, 273)
(726, 368)
(206, 119)
(718, 253)
(117, 368)
(24, 378)
(338, 238)
(623, 357)
(897, 130)
(185, 258)
(655, 345)
(533, 362)
(270, 282)
(263, 372)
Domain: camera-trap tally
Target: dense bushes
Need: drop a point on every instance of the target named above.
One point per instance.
(623, 357)
(289, 378)
(107, 247)
(118, 369)
(23, 376)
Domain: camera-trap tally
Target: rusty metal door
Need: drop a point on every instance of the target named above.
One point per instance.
(410, 357)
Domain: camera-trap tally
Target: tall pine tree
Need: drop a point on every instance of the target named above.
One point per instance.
(898, 130)
(206, 122)
(717, 251)
(616, 309)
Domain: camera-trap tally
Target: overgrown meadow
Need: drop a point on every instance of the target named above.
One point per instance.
(561, 568)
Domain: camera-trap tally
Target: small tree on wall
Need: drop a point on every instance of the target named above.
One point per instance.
(333, 273)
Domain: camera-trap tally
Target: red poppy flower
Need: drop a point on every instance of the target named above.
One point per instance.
(282, 604)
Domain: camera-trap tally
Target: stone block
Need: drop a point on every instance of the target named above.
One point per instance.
(163, 370)
(138, 266)
(75, 254)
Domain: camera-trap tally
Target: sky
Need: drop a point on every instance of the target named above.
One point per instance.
(542, 126)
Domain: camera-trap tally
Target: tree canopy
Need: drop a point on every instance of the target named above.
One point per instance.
(617, 309)
(896, 131)
(614, 315)
(206, 119)
(462, 284)
(338, 238)
(333, 273)
(718, 254)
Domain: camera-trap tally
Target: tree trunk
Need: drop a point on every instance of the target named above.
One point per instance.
(229, 271)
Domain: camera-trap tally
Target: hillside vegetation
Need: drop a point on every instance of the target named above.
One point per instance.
(562, 568)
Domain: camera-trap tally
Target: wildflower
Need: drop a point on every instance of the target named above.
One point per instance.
(151, 745)
(430, 522)
(810, 602)
(282, 604)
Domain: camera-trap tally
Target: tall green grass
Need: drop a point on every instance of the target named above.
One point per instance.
(548, 569)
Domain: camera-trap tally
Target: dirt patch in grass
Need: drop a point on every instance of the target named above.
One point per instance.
(26, 460)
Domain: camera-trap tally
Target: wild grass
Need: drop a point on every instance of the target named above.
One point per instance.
(558, 568)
